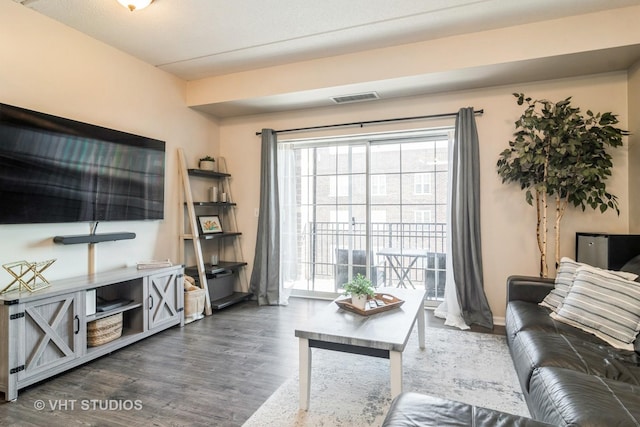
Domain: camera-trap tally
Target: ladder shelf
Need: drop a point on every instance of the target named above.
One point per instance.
(192, 232)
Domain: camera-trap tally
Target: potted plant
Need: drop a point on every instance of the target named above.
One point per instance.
(558, 155)
(360, 288)
(207, 163)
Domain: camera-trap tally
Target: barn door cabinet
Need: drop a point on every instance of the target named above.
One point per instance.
(165, 300)
(45, 333)
(50, 334)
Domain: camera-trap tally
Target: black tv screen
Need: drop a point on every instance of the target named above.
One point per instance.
(55, 170)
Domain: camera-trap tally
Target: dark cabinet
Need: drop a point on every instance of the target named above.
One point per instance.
(608, 251)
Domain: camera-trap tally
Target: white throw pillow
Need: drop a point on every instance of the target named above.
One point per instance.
(603, 304)
(564, 279)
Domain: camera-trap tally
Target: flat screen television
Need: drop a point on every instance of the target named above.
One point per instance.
(55, 170)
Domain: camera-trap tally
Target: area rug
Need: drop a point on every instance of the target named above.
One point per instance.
(354, 390)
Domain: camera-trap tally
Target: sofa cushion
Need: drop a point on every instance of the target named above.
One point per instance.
(565, 275)
(528, 288)
(567, 398)
(413, 409)
(603, 304)
(527, 316)
(532, 349)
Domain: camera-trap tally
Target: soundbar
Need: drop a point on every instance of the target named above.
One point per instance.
(93, 238)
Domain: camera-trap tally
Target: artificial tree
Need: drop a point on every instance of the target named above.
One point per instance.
(559, 154)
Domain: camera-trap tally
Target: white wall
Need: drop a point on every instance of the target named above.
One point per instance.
(51, 68)
(508, 223)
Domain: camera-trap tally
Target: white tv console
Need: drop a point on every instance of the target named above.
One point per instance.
(44, 333)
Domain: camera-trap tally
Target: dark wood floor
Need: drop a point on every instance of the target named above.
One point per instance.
(213, 372)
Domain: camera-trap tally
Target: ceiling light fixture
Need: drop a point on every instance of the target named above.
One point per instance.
(135, 4)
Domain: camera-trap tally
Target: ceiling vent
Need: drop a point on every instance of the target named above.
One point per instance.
(357, 97)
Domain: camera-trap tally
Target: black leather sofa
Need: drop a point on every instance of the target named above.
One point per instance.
(415, 409)
(569, 377)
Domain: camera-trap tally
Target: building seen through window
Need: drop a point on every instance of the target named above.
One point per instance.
(359, 199)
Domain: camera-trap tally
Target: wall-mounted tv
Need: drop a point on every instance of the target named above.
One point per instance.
(55, 170)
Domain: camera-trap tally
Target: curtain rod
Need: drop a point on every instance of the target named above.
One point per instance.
(370, 122)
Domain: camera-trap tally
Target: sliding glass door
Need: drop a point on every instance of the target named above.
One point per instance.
(373, 205)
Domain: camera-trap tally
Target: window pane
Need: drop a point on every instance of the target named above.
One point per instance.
(392, 192)
(407, 192)
(418, 156)
(325, 191)
(352, 159)
(326, 158)
(418, 188)
(442, 155)
(358, 187)
(385, 158)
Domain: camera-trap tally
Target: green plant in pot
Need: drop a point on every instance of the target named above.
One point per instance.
(207, 163)
(560, 156)
(360, 288)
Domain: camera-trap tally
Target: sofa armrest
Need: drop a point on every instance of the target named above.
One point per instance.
(528, 288)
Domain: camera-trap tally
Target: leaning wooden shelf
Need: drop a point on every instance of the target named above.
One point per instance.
(218, 204)
(220, 235)
(201, 271)
(211, 236)
(208, 174)
(236, 297)
(221, 268)
(214, 269)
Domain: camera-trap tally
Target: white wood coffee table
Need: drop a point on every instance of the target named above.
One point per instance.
(380, 335)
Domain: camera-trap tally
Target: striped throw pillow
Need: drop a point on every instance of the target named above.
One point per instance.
(564, 279)
(603, 304)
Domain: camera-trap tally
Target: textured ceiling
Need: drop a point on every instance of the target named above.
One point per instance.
(195, 39)
(198, 38)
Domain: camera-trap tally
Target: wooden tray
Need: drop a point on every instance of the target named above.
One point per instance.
(390, 302)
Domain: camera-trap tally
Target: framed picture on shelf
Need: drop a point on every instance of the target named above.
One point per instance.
(209, 224)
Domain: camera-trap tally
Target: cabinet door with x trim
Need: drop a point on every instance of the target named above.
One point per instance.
(53, 334)
(165, 298)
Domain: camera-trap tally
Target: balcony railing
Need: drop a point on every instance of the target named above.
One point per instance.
(328, 249)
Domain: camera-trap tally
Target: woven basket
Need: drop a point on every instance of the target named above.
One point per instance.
(194, 303)
(104, 330)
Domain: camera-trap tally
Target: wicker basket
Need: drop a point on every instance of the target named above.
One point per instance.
(194, 304)
(104, 330)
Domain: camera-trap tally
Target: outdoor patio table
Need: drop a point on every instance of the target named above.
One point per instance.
(394, 259)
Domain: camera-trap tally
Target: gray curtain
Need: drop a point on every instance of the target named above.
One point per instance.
(265, 277)
(465, 222)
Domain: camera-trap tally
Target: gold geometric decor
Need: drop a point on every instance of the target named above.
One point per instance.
(27, 275)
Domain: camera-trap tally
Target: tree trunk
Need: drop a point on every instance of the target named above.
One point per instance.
(541, 231)
(560, 209)
(544, 269)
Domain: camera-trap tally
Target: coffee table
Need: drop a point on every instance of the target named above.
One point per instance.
(382, 335)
